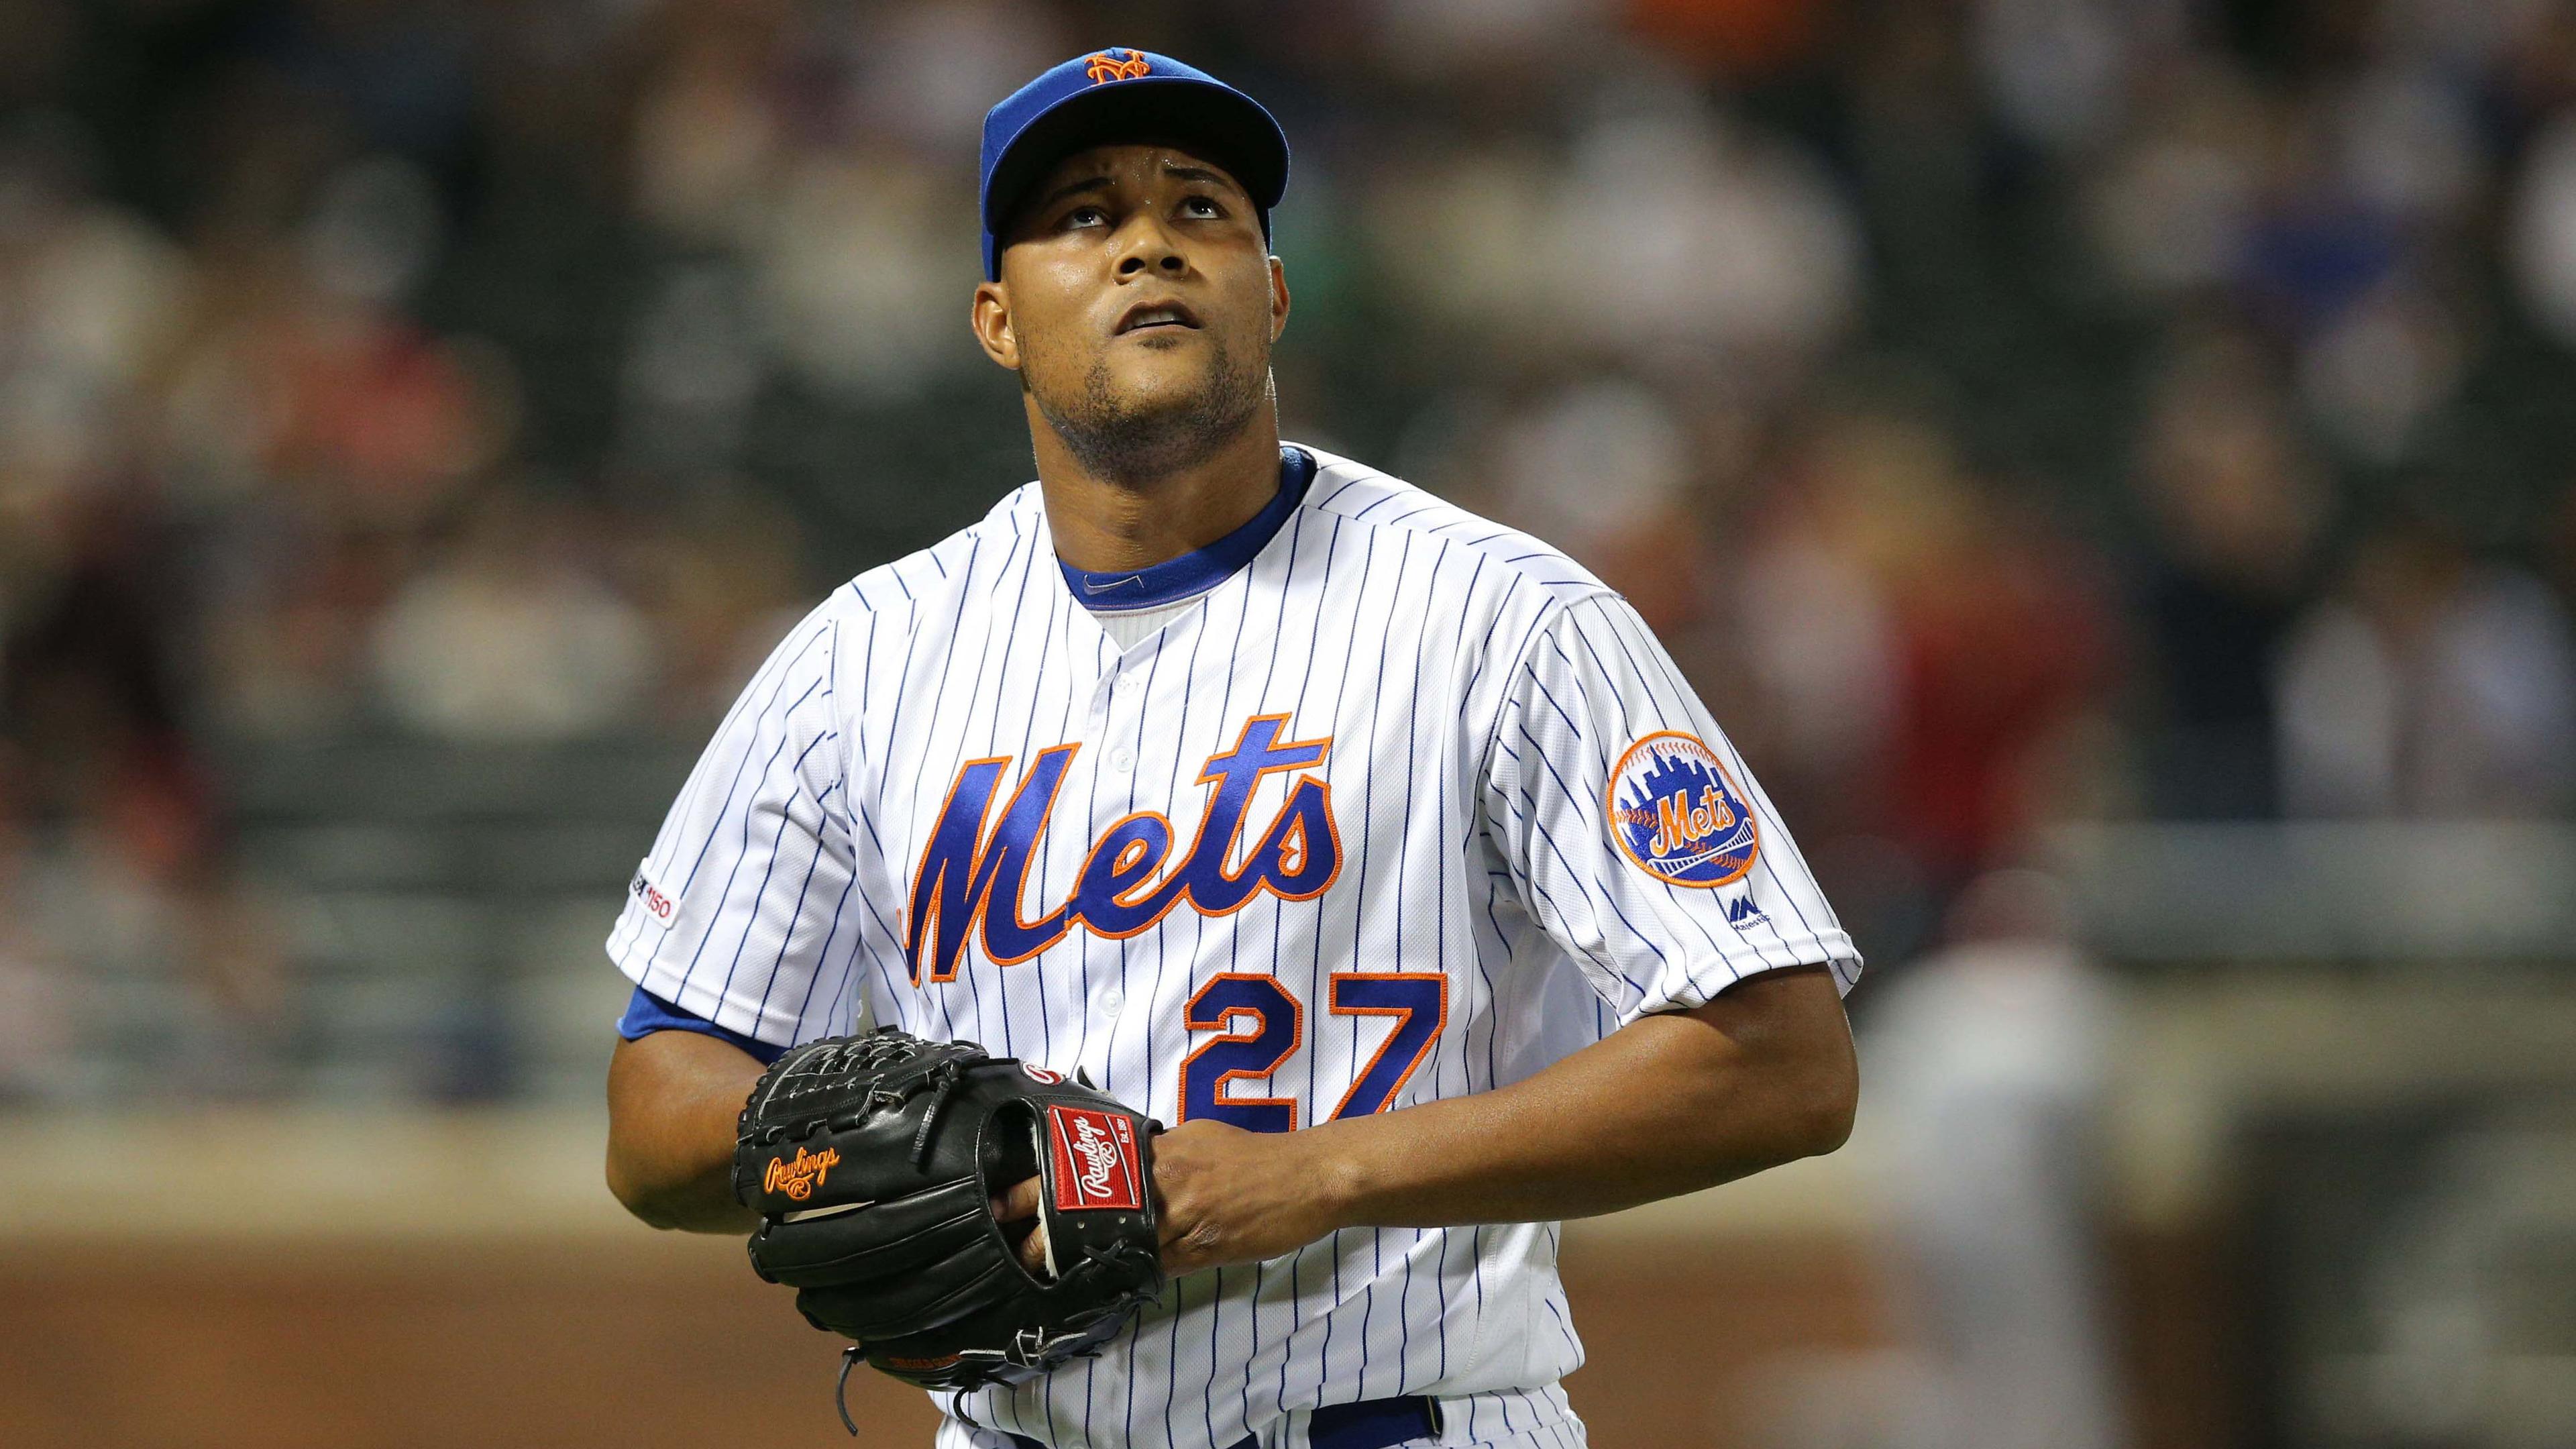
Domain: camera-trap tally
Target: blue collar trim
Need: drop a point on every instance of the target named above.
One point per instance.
(1199, 570)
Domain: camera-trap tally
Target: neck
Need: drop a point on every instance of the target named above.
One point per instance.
(1103, 523)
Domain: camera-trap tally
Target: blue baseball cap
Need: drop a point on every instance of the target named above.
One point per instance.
(1120, 94)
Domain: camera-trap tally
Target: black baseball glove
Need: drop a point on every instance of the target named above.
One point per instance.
(873, 1161)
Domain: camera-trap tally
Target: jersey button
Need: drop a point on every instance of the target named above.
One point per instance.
(1122, 759)
(1111, 1000)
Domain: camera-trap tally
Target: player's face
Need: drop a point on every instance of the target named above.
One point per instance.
(1138, 302)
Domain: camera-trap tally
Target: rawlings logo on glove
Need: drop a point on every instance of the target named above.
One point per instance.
(1105, 1147)
(799, 1177)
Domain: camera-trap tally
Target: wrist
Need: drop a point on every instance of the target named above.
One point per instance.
(1337, 1175)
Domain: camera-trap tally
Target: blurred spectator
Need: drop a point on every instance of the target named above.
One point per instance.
(286, 644)
(111, 848)
(90, 696)
(928, 72)
(310, 380)
(1603, 470)
(1998, 648)
(37, 1058)
(2314, 243)
(2170, 210)
(1821, 642)
(1810, 597)
(1739, 39)
(2543, 244)
(707, 132)
(1985, 1065)
(2060, 71)
(1663, 227)
(510, 637)
(1916, 662)
(693, 374)
(91, 300)
(719, 584)
(2373, 380)
(2236, 506)
(860, 281)
(1425, 38)
(2431, 683)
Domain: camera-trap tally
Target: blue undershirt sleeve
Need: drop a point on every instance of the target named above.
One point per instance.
(647, 1013)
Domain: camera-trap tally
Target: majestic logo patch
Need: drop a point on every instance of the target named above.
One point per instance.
(1107, 66)
(797, 1177)
(1677, 814)
(1095, 1160)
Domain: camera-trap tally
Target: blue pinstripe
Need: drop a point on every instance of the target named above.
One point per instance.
(742, 852)
(1368, 563)
(1019, 598)
(938, 697)
(1368, 811)
(761, 1011)
(748, 746)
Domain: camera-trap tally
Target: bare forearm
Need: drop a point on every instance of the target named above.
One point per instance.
(1668, 1105)
(674, 1099)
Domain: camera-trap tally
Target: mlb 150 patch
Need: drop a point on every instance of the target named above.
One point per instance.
(1677, 813)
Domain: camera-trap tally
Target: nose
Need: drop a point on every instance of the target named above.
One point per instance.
(1147, 246)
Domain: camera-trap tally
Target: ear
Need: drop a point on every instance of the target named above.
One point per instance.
(1278, 298)
(990, 318)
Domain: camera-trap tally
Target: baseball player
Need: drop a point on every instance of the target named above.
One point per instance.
(1378, 849)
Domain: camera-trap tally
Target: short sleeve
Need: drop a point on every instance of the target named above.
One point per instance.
(742, 912)
(646, 1014)
(1636, 836)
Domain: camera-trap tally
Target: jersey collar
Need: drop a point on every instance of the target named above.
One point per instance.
(1199, 570)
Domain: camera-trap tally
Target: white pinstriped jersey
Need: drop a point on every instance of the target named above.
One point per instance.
(1410, 806)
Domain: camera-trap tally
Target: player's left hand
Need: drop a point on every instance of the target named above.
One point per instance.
(1223, 1196)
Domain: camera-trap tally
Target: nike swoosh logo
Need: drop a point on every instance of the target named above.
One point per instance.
(1089, 587)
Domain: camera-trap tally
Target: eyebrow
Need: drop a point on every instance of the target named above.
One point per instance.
(1173, 169)
(1072, 188)
(1200, 173)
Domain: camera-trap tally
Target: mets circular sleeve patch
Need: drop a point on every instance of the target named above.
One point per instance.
(1678, 815)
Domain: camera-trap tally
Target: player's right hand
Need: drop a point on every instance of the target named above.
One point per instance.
(1225, 1195)
(1222, 1196)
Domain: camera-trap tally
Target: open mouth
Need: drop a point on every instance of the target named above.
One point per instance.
(1157, 317)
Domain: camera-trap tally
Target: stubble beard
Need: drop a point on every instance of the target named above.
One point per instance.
(1131, 443)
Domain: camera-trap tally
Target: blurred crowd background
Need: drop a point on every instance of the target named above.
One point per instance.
(2110, 464)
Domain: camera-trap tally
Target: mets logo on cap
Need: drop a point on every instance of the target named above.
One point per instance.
(1678, 815)
(1106, 66)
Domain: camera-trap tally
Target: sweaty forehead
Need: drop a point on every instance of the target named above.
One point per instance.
(1128, 163)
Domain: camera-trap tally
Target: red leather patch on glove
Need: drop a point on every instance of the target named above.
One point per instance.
(1095, 1160)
